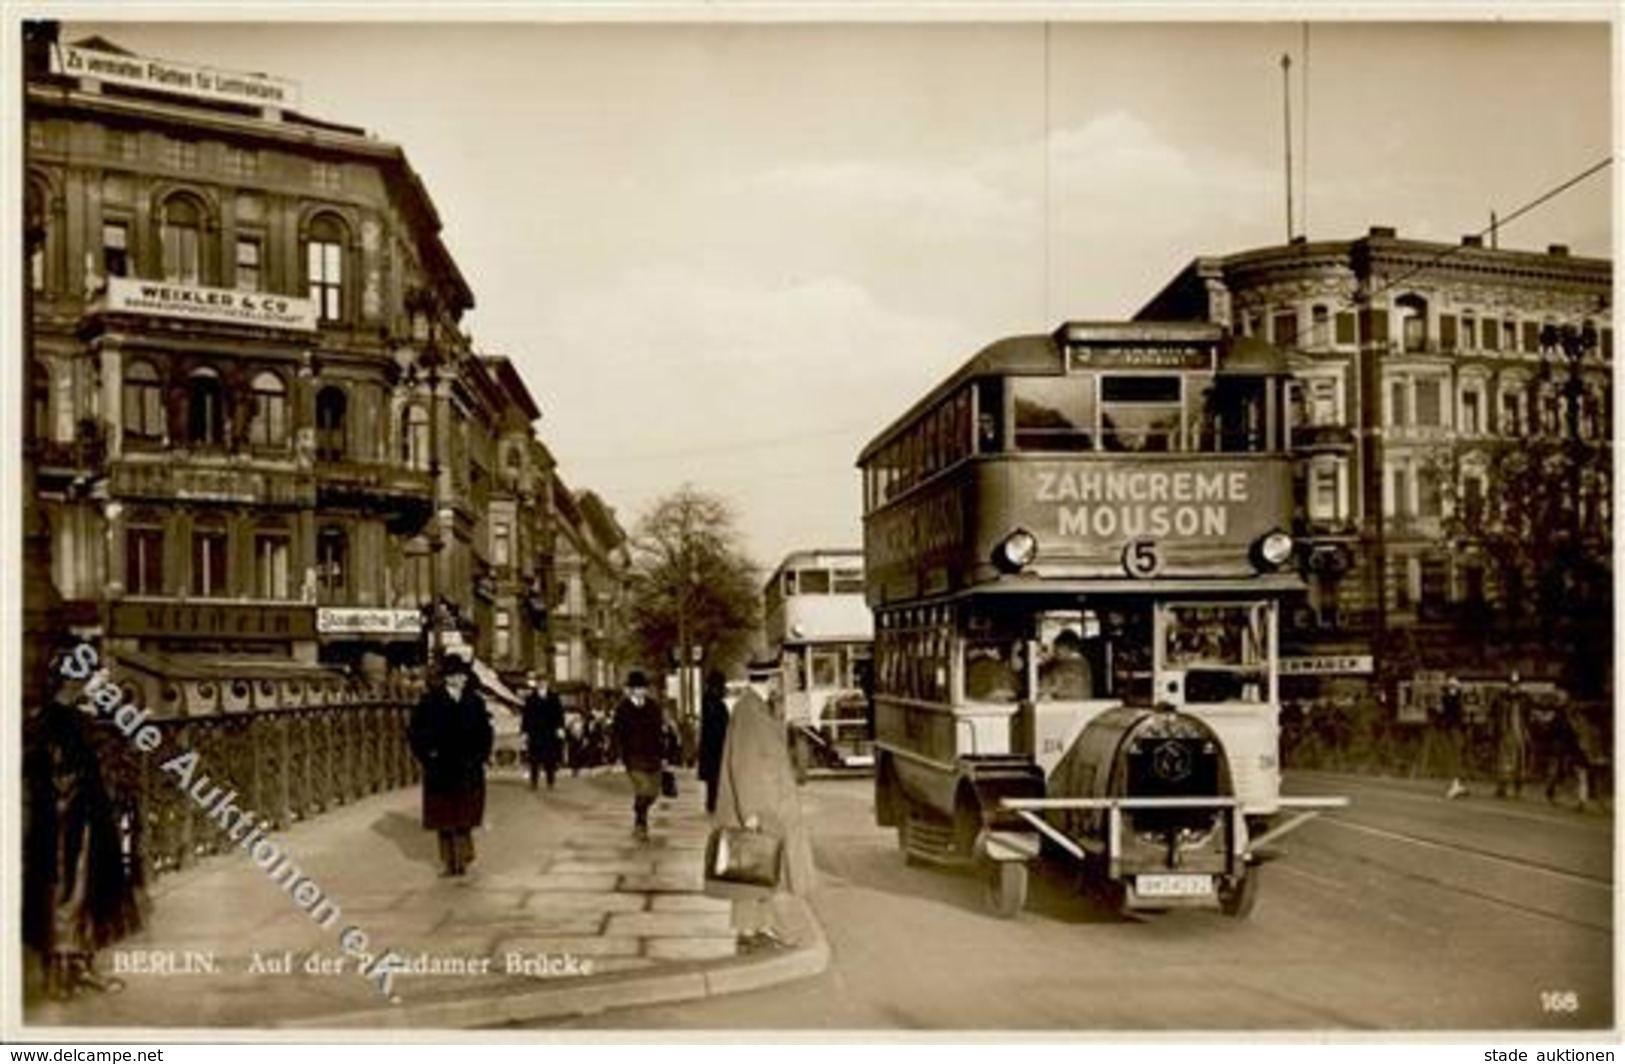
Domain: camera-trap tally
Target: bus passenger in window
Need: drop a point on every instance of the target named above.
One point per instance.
(991, 673)
(1066, 676)
(987, 433)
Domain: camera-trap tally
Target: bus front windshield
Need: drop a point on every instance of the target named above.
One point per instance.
(1222, 649)
(1075, 654)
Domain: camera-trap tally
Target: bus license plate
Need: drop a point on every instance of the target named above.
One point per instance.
(1173, 886)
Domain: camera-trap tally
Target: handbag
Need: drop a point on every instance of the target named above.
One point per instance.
(668, 783)
(742, 862)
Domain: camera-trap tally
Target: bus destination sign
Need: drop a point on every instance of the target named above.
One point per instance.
(1141, 356)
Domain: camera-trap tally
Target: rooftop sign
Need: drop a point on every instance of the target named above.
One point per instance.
(160, 75)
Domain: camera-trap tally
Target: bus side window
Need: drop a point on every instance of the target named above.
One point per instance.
(992, 671)
(989, 417)
(1238, 410)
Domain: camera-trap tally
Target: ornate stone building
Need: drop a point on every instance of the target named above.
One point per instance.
(261, 440)
(1417, 365)
(592, 561)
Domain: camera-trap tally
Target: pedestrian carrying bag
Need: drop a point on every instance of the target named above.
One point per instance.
(668, 783)
(742, 862)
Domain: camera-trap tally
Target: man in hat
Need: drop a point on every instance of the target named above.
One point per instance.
(640, 737)
(543, 724)
(451, 737)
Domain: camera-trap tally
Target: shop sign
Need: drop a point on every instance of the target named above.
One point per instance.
(344, 620)
(1329, 665)
(197, 303)
(181, 79)
(196, 620)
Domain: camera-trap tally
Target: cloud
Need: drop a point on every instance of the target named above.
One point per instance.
(765, 391)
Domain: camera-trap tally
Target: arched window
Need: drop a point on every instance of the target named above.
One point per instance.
(1320, 326)
(143, 402)
(205, 409)
(324, 266)
(415, 437)
(1413, 313)
(182, 236)
(331, 409)
(332, 560)
(269, 424)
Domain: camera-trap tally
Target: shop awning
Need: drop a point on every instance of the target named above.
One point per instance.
(223, 667)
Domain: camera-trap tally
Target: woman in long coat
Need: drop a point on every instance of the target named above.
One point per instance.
(758, 786)
(451, 737)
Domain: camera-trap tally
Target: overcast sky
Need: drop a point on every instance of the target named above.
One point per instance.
(729, 254)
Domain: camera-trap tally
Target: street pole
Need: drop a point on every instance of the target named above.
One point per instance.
(424, 309)
(1573, 344)
(1372, 323)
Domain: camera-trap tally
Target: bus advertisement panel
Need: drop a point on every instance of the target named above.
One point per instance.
(1181, 515)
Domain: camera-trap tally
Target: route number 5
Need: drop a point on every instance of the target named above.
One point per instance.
(1142, 559)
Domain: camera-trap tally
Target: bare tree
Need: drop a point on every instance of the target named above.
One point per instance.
(693, 590)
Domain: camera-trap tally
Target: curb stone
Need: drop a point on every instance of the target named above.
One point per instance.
(562, 999)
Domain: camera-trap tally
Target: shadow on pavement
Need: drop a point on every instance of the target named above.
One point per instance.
(407, 833)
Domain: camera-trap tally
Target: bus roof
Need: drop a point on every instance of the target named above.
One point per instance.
(815, 555)
(1039, 355)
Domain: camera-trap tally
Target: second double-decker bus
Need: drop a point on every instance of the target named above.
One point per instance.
(1077, 554)
(821, 634)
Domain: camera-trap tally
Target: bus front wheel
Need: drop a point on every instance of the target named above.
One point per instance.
(1005, 887)
(1238, 894)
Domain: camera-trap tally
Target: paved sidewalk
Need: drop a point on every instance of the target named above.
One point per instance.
(562, 913)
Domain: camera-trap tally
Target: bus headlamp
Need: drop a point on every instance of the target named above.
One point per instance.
(1016, 551)
(1274, 549)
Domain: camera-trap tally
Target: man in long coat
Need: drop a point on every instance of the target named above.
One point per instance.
(713, 733)
(80, 894)
(451, 737)
(758, 789)
(1511, 738)
(543, 725)
(640, 737)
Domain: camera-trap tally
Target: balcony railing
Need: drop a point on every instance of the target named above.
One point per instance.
(1322, 437)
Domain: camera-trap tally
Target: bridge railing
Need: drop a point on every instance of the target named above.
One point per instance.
(285, 766)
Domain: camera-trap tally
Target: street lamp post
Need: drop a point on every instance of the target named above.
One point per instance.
(425, 335)
(1573, 345)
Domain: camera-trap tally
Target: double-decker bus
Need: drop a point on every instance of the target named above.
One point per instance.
(821, 634)
(1076, 556)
